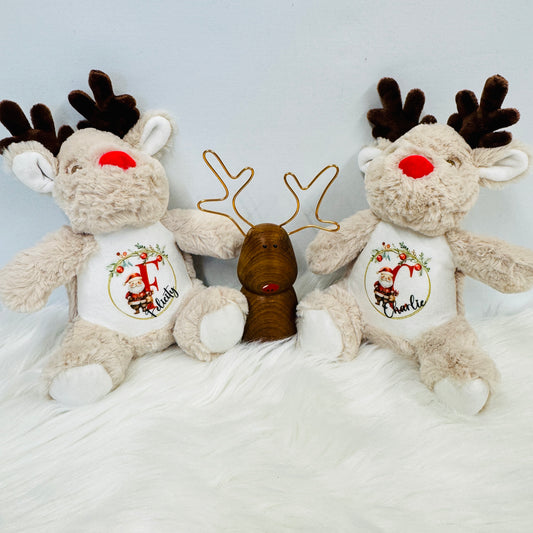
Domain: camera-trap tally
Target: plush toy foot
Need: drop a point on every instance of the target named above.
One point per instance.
(80, 385)
(466, 398)
(222, 329)
(318, 334)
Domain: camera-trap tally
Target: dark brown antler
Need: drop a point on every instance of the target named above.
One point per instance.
(43, 130)
(106, 112)
(393, 120)
(477, 123)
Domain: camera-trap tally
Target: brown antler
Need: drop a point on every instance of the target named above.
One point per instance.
(220, 201)
(43, 130)
(393, 120)
(107, 112)
(314, 180)
(477, 123)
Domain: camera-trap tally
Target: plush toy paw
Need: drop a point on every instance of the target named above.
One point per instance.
(80, 385)
(318, 334)
(466, 398)
(222, 329)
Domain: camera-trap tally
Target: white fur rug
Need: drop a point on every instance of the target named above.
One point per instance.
(264, 439)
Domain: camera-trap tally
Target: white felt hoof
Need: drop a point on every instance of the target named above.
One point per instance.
(466, 398)
(222, 329)
(80, 385)
(318, 334)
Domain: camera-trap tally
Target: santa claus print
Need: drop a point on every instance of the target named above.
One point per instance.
(403, 286)
(141, 282)
(138, 297)
(384, 290)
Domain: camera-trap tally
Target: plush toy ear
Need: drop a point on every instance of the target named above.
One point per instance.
(32, 164)
(506, 166)
(366, 156)
(155, 134)
(32, 169)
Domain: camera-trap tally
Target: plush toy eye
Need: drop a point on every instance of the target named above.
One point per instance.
(453, 162)
(73, 168)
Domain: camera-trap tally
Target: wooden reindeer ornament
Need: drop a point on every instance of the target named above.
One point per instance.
(267, 265)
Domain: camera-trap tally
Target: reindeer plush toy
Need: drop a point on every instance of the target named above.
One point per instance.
(407, 253)
(131, 289)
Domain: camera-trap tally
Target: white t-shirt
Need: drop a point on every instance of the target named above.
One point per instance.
(404, 282)
(134, 282)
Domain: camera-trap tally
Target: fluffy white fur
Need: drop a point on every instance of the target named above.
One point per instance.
(264, 439)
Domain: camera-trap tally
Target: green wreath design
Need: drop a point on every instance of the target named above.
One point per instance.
(144, 253)
(384, 253)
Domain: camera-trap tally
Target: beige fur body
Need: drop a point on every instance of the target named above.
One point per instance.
(432, 206)
(505, 267)
(113, 189)
(452, 349)
(55, 261)
(34, 273)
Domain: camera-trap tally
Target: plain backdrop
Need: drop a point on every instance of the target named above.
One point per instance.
(278, 85)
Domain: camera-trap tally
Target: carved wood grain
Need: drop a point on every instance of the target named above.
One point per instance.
(267, 269)
(271, 317)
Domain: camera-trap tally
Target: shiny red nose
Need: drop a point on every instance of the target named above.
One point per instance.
(416, 166)
(270, 287)
(117, 159)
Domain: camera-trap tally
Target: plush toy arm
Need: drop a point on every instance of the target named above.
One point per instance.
(330, 251)
(503, 266)
(32, 275)
(202, 233)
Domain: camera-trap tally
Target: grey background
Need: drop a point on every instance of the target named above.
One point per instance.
(278, 85)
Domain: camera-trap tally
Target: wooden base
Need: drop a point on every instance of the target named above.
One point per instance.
(271, 317)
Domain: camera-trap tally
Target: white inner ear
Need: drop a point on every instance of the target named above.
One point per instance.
(366, 156)
(155, 134)
(512, 165)
(33, 169)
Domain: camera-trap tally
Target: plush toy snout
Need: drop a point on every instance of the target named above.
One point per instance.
(416, 166)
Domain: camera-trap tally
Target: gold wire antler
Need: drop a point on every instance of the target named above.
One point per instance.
(319, 201)
(226, 195)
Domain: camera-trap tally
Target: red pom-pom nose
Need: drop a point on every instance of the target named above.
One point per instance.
(117, 159)
(416, 166)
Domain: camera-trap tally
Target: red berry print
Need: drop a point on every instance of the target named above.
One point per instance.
(403, 257)
(143, 256)
(159, 258)
(379, 258)
(418, 267)
(120, 269)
